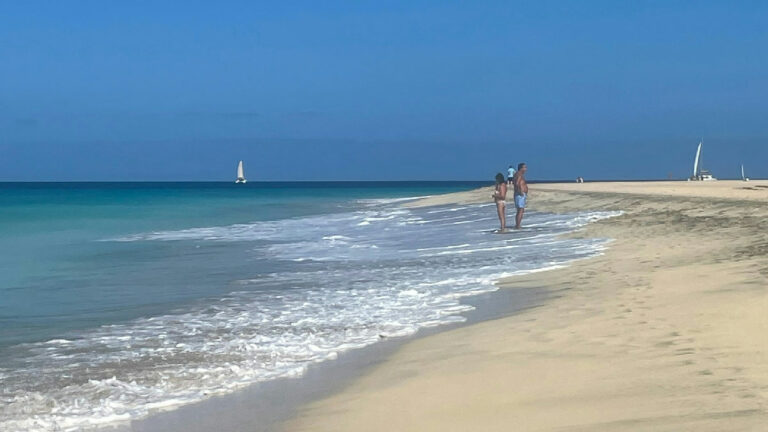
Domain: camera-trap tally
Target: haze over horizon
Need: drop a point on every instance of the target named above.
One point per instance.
(373, 91)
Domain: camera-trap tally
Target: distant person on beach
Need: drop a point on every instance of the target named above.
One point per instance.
(521, 193)
(499, 196)
(510, 174)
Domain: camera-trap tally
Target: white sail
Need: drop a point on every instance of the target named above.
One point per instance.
(742, 172)
(240, 173)
(696, 161)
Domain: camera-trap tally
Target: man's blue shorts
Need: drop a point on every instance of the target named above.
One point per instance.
(520, 201)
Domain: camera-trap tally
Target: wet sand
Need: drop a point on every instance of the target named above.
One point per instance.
(667, 331)
(262, 407)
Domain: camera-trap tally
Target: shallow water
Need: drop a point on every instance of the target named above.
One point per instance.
(118, 301)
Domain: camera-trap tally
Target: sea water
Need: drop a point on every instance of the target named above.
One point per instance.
(120, 299)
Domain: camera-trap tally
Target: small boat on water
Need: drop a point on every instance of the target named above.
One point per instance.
(240, 174)
(743, 177)
(698, 173)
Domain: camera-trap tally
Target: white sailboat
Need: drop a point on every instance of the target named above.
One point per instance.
(743, 177)
(696, 161)
(240, 174)
(698, 173)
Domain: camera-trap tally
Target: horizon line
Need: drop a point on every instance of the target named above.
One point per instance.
(349, 181)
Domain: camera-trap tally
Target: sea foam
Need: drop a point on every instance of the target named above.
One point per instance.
(339, 282)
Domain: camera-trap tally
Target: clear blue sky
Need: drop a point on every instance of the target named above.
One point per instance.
(375, 90)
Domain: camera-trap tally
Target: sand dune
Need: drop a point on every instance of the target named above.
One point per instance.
(667, 331)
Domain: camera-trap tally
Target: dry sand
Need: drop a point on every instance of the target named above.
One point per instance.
(668, 331)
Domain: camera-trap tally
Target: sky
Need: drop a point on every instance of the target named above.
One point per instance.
(381, 90)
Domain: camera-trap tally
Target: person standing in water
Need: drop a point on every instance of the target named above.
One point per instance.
(499, 196)
(521, 193)
(510, 175)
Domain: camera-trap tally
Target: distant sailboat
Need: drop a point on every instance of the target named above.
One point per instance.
(696, 162)
(743, 177)
(698, 173)
(240, 174)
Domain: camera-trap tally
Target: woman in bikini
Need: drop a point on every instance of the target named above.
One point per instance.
(499, 196)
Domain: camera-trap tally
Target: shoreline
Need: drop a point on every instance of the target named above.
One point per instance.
(665, 331)
(192, 351)
(266, 405)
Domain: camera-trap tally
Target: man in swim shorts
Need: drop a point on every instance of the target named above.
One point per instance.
(521, 193)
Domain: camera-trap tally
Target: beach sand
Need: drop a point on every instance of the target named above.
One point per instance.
(667, 331)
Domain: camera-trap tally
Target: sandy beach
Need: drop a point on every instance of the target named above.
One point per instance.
(667, 331)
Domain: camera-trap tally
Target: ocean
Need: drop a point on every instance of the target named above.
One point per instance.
(119, 299)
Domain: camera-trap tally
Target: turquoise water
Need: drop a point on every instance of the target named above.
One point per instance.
(120, 299)
(56, 274)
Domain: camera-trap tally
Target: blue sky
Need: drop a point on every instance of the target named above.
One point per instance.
(372, 90)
